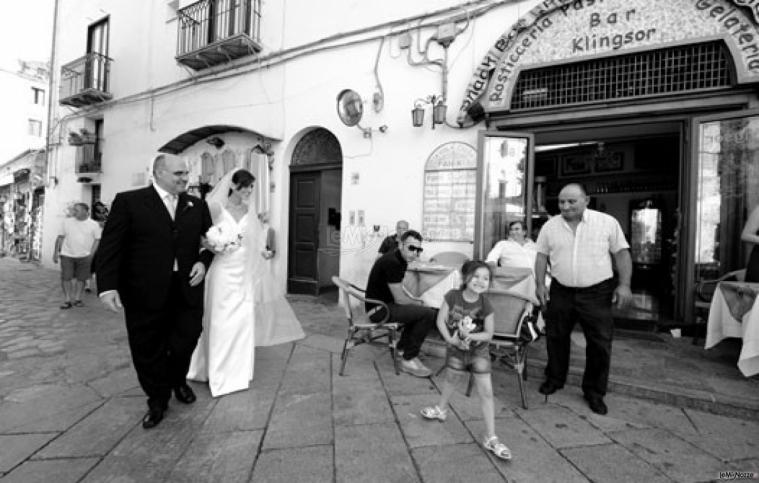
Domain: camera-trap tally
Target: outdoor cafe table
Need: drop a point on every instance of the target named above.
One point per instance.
(431, 282)
(734, 312)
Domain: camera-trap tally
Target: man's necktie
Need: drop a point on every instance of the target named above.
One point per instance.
(171, 204)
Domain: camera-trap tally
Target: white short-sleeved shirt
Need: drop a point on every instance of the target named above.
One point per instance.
(78, 237)
(583, 258)
(512, 254)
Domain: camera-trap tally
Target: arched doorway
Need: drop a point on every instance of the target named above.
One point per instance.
(315, 196)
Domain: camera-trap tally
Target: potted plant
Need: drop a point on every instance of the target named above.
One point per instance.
(87, 137)
(75, 139)
(81, 137)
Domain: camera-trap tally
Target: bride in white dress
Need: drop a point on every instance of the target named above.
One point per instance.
(237, 306)
(224, 354)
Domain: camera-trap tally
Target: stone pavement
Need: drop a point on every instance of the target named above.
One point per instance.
(70, 410)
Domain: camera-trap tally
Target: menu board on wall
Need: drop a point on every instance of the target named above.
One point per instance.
(450, 185)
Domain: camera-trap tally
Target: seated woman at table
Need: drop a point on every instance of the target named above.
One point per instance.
(516, 251)
(520, 252)
(751, 235)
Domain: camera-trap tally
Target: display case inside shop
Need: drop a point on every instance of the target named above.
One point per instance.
(646, 233)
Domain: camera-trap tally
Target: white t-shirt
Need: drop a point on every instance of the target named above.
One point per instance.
(512, 254)
(78, 237)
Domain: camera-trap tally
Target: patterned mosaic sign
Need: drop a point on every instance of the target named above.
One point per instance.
(573, 30)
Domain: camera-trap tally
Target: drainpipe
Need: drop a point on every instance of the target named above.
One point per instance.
(51, 84)
(50, 127)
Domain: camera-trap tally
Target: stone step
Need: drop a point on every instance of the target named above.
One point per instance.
(726, 404)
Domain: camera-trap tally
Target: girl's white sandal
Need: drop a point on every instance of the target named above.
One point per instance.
(497, 448)
(434, 412)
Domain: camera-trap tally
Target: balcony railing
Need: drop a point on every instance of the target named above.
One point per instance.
(212, 32)
(85, 81)
(88, 163)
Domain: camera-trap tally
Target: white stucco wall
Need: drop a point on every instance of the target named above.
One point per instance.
(282, 102)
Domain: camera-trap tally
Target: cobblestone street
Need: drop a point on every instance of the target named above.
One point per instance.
(70, 410)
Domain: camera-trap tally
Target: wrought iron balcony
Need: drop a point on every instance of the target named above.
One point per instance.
(85, 81)
(212, 32)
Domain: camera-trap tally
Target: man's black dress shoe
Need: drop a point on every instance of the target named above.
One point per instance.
(548, 388)
(596, 404)
(152, 418)
(184, 394)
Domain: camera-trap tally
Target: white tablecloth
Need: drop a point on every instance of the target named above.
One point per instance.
(722, 324)
(431, 283)
(518, 280)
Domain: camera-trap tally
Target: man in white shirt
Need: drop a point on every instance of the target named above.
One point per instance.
(75, 245)
(579, 245)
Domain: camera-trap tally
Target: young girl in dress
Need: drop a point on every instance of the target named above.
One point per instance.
(466, 323)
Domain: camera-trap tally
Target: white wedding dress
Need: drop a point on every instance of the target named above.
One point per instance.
(225, 354)
(276, 322)
(243, 309)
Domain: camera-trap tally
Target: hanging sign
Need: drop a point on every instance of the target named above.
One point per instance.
(565, 31)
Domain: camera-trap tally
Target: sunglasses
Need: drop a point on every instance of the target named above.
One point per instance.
(415, 249)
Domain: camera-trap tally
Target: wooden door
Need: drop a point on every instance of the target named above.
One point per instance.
(303, 266)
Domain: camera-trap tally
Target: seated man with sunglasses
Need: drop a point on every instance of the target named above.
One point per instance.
(386, 284)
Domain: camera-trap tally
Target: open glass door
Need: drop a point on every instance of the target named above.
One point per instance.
(97, 53)
(504, 185)
(725, 185)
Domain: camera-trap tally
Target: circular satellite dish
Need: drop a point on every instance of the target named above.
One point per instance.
(350, 107)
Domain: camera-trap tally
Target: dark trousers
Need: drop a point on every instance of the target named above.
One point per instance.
(417, 321)
(162, 342)
(752, 269)
(591, 307)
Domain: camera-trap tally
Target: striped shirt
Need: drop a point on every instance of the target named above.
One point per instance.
(582, 258)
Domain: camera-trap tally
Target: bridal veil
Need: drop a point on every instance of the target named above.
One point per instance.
(275, 321)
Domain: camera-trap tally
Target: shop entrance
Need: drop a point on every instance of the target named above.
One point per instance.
(660, 133)
(635, 178)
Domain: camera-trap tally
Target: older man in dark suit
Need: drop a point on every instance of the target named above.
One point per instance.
(150, 261)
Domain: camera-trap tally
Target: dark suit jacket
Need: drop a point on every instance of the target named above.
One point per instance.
(140, 242)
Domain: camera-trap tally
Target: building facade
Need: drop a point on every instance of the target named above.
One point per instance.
(23, 93)
(24, 96)
(456, 116)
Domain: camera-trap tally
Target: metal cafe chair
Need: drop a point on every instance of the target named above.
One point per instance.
(360, 328)
(510, 309)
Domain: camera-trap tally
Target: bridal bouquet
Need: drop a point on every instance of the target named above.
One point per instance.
(223, 239)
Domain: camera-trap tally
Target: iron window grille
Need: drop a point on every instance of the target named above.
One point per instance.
(673, 70)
